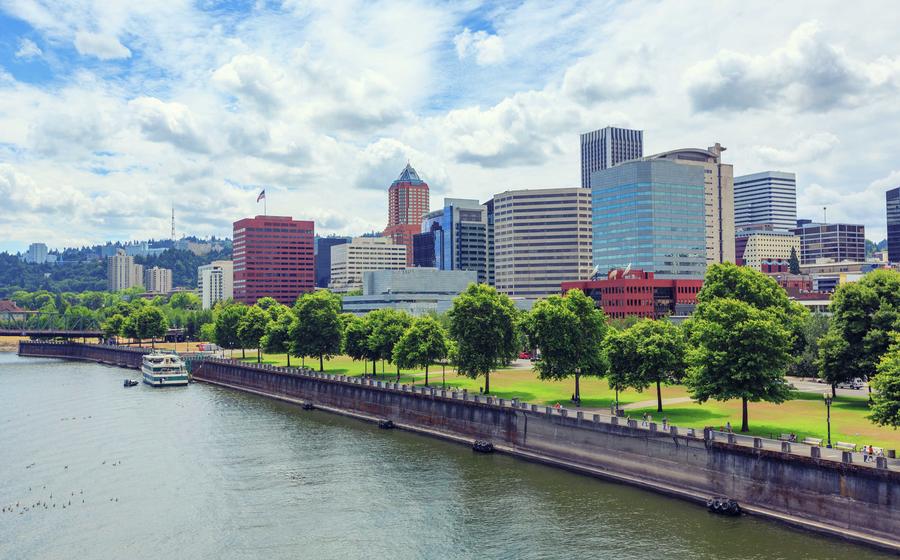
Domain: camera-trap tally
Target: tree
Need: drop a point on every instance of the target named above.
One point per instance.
(357, 331)
(267, 303)
(112, 326)
(185, 300)
(794, 262)
(621, 360)
(317, 330)
(886, 400)
(569, 332)
(652, 352)
(483, 324)
(277, 339)
(388, 325)
(422, 344)
(150, 323)
(737, 352)
(251, 328)
(226, 319)
(815, 326)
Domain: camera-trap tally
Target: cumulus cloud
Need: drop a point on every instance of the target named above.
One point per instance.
(486, 48)
(168, 122)
(28, 49)
(253, 79)
(804, 149)
(102, 46)
(808, 74)
(382, 161)
(595, 79)
(864, 206)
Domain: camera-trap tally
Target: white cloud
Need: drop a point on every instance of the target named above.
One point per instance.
(168, 122)
(804, 149)
(104, 47)
(486, 48)
(866, 206)
(28, 49)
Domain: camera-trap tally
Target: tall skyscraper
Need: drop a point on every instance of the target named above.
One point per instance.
(892, 198)
(122, 273)
(458, 237)
(158, 280)
(768, 198)
(407, 204)
(542, 237)
(323, 258)
(607, 147)
(839, 242)
(215, 282)
(719, 193)
(649, 215)
(273, 256)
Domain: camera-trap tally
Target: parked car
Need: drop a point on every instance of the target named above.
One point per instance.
(854, 384)
(524, 355)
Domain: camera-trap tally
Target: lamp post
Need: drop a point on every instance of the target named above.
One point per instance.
(828, 399)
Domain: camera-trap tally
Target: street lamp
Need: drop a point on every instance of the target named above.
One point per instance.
(828, 399)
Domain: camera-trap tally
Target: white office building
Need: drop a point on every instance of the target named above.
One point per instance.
(158, 280)
(350, 260)
(122, 273)
(608, 147)
(417, 291)
(215, 282)
(37, 253)
(768, 198)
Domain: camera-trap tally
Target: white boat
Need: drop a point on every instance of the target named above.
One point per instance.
(162, 370)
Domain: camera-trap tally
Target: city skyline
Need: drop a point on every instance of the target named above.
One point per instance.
(105, 102)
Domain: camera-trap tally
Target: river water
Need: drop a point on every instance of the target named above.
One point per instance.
(204, 472)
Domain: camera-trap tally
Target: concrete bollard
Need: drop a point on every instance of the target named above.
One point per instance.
(880, 462)
(846, 457)
(534, 408)
(614, 421)
(732, 439)
(465, 396)
(443, 393)
(579, 416)
(757, 443)
(815, 452)
(632, 423)
(653, 427)
(596, 419)
(500, 402)
(379, 384)
(564, 412)
(892, 453)
(453, 395)
(673, 430)
(785, 447)
(549, 411)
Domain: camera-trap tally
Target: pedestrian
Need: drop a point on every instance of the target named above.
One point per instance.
(865, 452)
(728, 426)
(665, 423)
(644, 419)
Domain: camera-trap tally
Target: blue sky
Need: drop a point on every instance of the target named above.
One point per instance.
(112, 111)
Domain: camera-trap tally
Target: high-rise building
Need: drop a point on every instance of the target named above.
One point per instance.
(542, 237)
(215, 282)
(489, 262)
(458, 237)
(892, 198)
(407, 204)
(719, 192)
(273, 256)
(122, 273)
(755, 247)
(323, 257)
(649, 214)
(37, 253)
(158, 280)
(838, 242)
(362, 254)
(607, 147)
(768, 198)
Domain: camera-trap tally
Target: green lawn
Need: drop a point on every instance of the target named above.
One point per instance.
(804, 415)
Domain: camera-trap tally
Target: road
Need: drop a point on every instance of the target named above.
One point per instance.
(807, 386)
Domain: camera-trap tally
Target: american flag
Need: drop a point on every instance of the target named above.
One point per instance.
(262, 195)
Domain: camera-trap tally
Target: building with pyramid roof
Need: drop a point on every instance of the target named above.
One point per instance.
(408, 202)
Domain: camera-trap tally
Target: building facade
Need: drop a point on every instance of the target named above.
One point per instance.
(840, 242)
(458, 237)
(158, 280)
(649, 214)
(323, 258)
(363, 254)
(408, 202)
(892, 197)
(273, 257)
(215, 282)
(37, 253)
(607, 147)
(755, 247)
(719, 193)
(122, 273)
(415, 290)
(542, 237)
(636, 293)
(768, 198)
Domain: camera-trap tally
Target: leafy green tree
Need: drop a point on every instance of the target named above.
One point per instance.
(621, 360)
(737, 352)
(653, 352)
(112, 326)
(79, 317)
(794, 262)
(388, 325)
(357, 331)
(208, 332)
(483, 324)
(185, 300)
(423, 343)
(226, 319)
(149, 322)
(277, 339)
(569, 332)
(815, 326)
(317, 330)
(267, 303)
(251, 329)
(886, 399)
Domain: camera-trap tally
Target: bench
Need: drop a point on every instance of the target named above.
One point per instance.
(785, 437)
(844, 446)
(816, 442)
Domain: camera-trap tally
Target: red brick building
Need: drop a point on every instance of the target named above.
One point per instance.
(640, 294)
(408, 202)
(273, 256)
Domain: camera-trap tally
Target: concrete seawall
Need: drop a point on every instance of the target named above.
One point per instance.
(851, 501)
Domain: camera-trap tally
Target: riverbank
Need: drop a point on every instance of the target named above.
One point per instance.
(10, 343)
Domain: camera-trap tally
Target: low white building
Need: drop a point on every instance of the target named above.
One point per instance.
(215, 282)
(363, 254)
(415, 290)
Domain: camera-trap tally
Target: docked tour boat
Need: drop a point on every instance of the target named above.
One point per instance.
(163, 370)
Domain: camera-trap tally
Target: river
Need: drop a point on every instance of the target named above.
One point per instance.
(205, 472)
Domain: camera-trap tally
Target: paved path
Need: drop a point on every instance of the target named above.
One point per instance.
(645, 404)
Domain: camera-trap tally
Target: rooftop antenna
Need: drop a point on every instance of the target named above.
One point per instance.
(173, 221)
(824, 214)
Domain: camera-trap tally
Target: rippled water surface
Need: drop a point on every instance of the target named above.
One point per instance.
(101, 471)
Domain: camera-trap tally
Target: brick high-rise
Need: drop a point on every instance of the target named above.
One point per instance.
(273, 256)
(407, 204)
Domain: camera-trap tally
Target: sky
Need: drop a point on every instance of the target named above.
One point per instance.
(113, 111)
